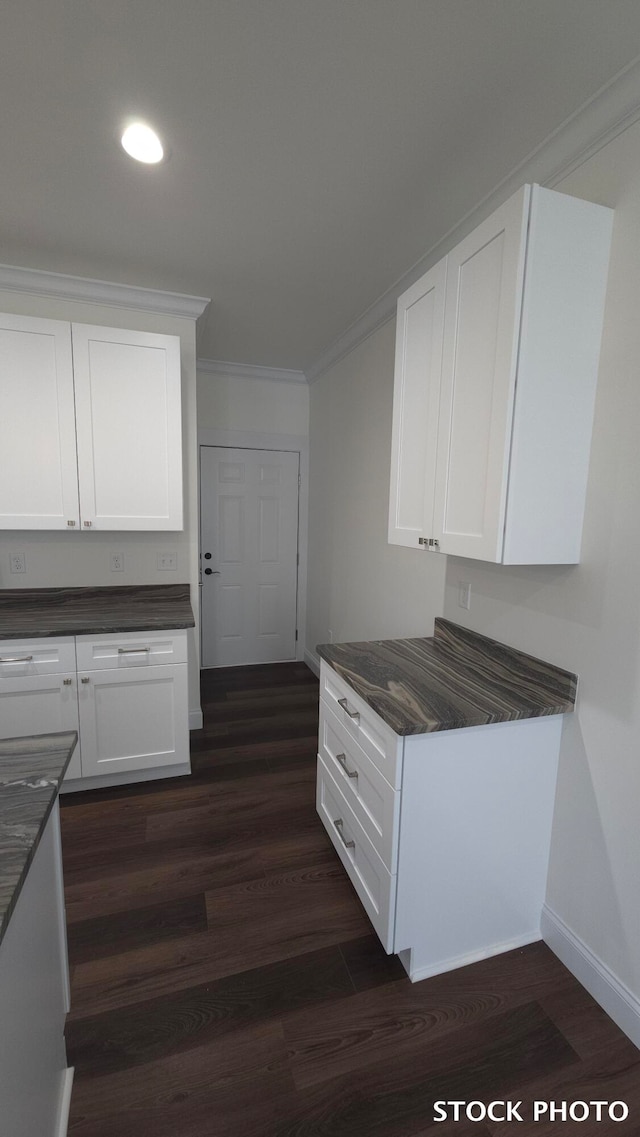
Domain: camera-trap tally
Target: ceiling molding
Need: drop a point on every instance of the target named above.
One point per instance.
(607, 114)
(40, 283)
(250, 371)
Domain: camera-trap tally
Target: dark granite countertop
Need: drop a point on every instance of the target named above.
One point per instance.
(455, 679)
(27, 613)
(31, 770)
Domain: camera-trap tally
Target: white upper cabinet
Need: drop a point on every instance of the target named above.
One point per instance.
(129, 428)
(416, 399)
(523, 313)
(90, 427)
(38, 470)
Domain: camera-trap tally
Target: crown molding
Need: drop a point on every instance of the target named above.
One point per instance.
(607, 114)
(250, 371)
(80, 288)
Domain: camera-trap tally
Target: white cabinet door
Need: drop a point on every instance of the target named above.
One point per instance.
(416, 399)
(38, 470)
(128, 414)
(482, 317)
(133, 719)
(41, 704)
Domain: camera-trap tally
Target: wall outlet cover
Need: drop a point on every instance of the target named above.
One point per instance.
(17, 562)
(117, 562)
(167, 562)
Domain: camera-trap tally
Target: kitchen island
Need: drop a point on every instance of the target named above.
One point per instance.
(437, 766)
(35, 1082)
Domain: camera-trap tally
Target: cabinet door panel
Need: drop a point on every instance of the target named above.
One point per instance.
(482, 313)
(38, 470)
(129, 428)
(416, 396)
(41, 704)
(133, 720)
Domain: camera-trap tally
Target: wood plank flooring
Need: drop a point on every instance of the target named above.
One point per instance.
(226, 982)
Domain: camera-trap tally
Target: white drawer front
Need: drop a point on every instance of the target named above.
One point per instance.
(371, 879)
(131, 649)
(374, 802)
(36, 657)
(378, 741)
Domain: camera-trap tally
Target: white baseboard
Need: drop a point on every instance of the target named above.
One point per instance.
(610, 992)
(312, 661)
(417, 973)
(62, 1122)
(195, 719)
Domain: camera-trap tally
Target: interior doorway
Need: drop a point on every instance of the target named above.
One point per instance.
(249, 522)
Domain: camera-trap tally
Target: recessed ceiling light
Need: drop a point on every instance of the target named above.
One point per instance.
(142, 143)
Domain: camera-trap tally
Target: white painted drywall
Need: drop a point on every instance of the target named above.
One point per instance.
(587, 618)
(359, 586)
(59, 559)
(236, 402)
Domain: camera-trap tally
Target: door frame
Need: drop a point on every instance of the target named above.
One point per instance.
(257, 440)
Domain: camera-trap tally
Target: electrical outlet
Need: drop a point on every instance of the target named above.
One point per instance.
(464, 594)
(167, 562)
(117, 562)
(18, 562)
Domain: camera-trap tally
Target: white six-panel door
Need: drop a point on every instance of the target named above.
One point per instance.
(249, 547)
(481, 330)
(127, 387)
(38, 470)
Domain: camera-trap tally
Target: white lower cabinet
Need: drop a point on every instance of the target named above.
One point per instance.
(450, 862)
(130, 706)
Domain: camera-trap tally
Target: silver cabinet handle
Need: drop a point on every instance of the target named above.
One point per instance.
(132, 650)
(339, 826)
(67, 682)
(352, 714)
(17, 659)
(342, 759)
(85, 679)
(87, 524)
(71, 524)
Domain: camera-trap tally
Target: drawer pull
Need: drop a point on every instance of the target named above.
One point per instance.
(339, 826)
(342, 759)
(85, 679)
(66, 682)
(17, 659)
(133, 650)
(352, 714)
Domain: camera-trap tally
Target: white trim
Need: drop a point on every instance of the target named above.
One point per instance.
(463, 960)
(196, 720)
(81, 288)
(610, 992)
(64, 1104)
(608, 113)
(260, 440)
(312, 661)
(250, 371)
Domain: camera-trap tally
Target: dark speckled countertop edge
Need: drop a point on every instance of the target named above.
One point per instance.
(40, 613)
(453, 680)
(45, 757)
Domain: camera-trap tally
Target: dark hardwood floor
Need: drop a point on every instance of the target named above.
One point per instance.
(226, 982)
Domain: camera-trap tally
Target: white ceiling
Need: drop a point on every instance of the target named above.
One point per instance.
(317, 147)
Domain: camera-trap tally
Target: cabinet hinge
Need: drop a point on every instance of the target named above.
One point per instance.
(296, 635)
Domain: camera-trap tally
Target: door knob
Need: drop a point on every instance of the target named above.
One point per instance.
(207, 556)
(211, 572)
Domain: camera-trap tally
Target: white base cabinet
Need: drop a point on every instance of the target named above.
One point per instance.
(450, 857)
(126, 695)
(35, 1081)
(497, 351)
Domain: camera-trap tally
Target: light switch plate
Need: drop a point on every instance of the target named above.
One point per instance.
(167, 562)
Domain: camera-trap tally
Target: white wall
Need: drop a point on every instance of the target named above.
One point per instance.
(587, 618)
(59, 559)
(237, 402)
(360, 587)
